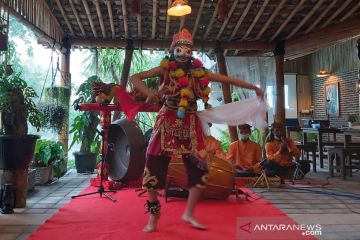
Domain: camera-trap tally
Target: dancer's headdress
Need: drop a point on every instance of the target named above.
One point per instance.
(183, 37)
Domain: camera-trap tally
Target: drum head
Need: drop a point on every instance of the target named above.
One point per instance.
(127, 161)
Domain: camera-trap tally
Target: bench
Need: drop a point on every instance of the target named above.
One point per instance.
(341, 158)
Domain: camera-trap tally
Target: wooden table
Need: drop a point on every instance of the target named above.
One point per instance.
(319, 133)
(349, 133)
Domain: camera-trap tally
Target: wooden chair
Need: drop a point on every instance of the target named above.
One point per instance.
(307, 148)
(342, 158)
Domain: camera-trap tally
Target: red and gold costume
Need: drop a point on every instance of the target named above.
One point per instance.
(177, 130)
(245, 155)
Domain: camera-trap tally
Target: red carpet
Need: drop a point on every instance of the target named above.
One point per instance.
(92, 217)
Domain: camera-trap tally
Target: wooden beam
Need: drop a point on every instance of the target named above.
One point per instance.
(279, 83)
(100, 16)
(197, 17)
(127, 63)
(211, 21)
(241, 19)
(167, 27)
(88, 14)
(309, 43)
(77, 17)
(303, 21)
(39, 32)
(138, 19)
(287, 19)
(52, 17)
(323, 13)
(273, 15)
(258, 15)
(336, 13)
(154, 14)
(165, 44)
(65, 81)
(348, 14)
(125, 19)
(227, 19)
(220, 59)
(64, 16)
(111, 18)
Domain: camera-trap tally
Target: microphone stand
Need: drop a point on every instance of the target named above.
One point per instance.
(105, 123)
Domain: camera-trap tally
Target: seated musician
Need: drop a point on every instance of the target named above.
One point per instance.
(213, 146)
(245, 154)
(280, 153)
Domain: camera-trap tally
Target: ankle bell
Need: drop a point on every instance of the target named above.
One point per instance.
(153, 207)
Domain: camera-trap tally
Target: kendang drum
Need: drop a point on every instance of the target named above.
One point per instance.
(220, 182)
(127, 160)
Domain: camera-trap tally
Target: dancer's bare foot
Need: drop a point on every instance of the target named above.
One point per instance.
(193, 222)
(151, 225)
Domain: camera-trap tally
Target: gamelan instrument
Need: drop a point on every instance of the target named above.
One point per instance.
(220, 182)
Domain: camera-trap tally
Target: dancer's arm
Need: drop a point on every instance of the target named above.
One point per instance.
(137, 81)
(237, 82)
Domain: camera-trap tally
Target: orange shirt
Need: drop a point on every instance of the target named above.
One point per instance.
(283, 159)
(245, 154)
(213, 147)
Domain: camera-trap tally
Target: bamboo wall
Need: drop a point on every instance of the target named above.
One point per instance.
(338, 58)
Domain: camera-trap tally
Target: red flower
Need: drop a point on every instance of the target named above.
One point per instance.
(183, 82)
(197, 63)
(173, 65)
(204, 81)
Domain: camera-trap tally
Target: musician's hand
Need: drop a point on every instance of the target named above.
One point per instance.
(284, 145)
(152, 99)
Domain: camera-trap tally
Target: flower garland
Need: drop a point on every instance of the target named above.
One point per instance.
(198, 72)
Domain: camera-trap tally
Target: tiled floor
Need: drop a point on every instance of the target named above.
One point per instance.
(42, 203)
(336, 206)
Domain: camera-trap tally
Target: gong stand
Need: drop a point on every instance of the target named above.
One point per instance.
(105, 121)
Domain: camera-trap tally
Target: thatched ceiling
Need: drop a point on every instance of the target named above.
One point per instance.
(248, 27)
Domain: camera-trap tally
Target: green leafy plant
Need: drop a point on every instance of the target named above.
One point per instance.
(352, 118)
(17, 103)
(225, 139)
(54, 115)
(47, 152)
(85, 124)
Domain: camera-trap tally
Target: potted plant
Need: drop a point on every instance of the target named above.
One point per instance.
(84, 129)
(54, 114)
(17, 147)
(47, 161)
(352, 118)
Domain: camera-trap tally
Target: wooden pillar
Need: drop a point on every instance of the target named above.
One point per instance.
(220, 59)
(127, 63)
(65, 81)
(279, 52)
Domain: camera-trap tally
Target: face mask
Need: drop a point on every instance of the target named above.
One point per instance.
(244, 137)
(277, 138)
(182, 53)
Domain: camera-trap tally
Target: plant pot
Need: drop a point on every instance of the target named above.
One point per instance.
(3, 42)
(85, 162)
(43, 175)
(16, 152)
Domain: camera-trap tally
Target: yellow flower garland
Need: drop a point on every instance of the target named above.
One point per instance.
(198, 72)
